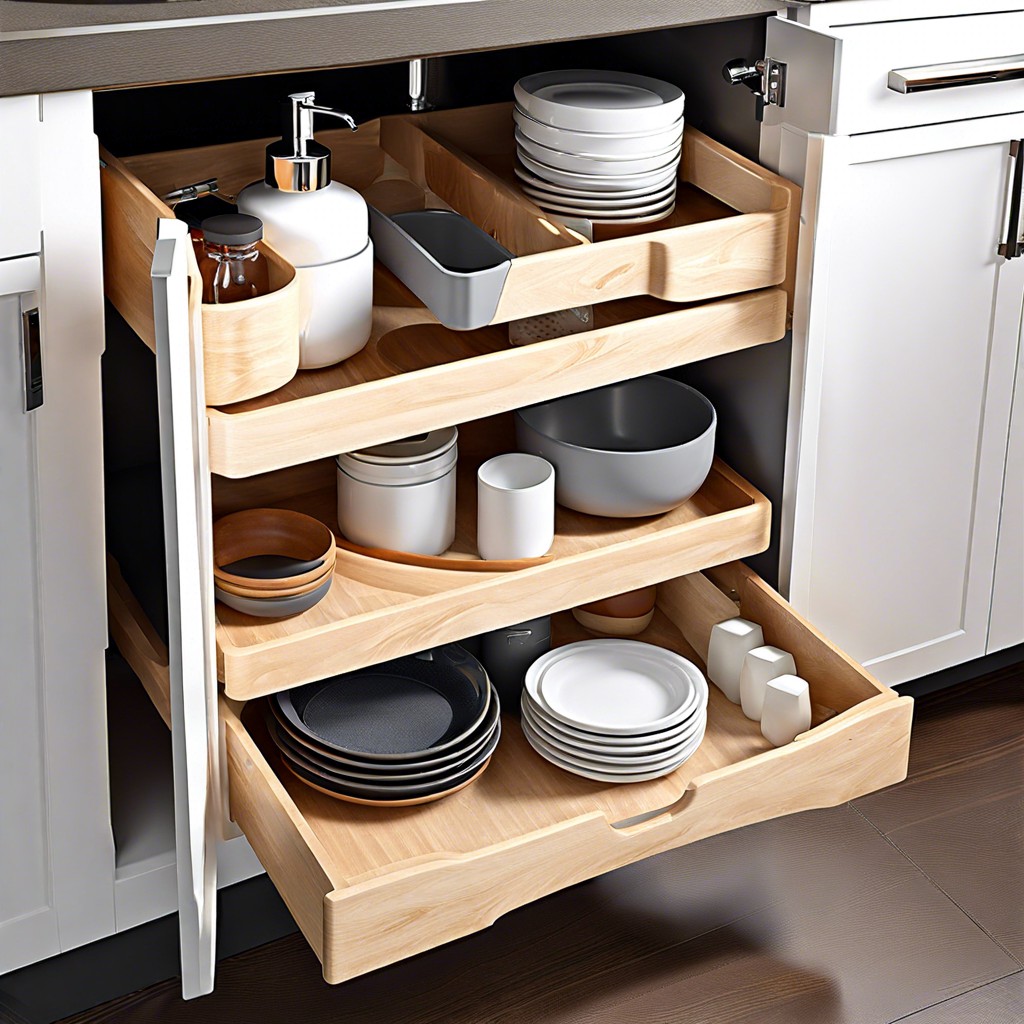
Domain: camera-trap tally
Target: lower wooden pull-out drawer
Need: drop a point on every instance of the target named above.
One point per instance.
(370, 886)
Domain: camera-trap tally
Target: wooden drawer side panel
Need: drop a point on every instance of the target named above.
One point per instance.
(283, 841)
(377, 922)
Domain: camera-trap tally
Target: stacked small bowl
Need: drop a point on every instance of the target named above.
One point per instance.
(408, 731)
(272, 562)
(614, 710)
(600, 145)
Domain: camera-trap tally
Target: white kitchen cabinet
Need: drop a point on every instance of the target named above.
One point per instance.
(56, 851)
(906, 336)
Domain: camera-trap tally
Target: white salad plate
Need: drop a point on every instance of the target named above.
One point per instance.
(574, 743)
(572, 192)
(590, 744)
(580, 164)
(615, 687)
(639, 765)
(600, 182)
(628, 146)
(561, 761)
(599, 101)
(607, 202)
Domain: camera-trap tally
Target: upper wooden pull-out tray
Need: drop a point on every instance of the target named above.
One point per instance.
(731, 234)
(369, 886)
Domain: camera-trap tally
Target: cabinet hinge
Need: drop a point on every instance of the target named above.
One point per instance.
(765, 78)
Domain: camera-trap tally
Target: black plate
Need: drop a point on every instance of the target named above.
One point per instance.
(271, 567)
(395, 792)
(403, 710)
(357, 771)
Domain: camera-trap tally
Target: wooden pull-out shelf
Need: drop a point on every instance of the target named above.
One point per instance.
(377, 610)
(369, 886)
(732, 233)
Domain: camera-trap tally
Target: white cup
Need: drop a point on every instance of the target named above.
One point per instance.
(759, 666)
(515, 516)
(787, 709)
(728, 646)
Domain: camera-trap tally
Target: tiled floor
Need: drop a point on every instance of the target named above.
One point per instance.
(904, 906)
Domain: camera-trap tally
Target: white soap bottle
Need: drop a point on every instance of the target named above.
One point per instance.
(322, 228)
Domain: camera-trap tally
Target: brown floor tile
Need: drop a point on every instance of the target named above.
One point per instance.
(976, 856)
(1000, 1002)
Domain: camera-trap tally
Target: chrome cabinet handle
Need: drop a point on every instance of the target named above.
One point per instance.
(1013, 246)
(947, 76)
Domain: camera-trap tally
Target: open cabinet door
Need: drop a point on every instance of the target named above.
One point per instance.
(188, 539)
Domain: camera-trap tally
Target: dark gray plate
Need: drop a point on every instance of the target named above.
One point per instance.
(403, 710)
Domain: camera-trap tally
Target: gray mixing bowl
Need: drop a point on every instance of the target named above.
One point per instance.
(636, 448)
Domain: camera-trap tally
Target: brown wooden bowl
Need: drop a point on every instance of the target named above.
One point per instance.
(632, 605)
(296, 591)
(271, 531)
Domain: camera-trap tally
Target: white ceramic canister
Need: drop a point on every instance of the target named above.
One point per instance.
(322, 228)
(401, 495)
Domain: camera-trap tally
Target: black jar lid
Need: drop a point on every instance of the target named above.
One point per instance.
(232, 229)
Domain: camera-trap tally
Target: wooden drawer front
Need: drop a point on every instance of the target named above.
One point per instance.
(839, 77)
(370, 886)
(732, 234)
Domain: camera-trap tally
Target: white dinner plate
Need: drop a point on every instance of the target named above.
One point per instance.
(588, 193)
(609, 767)
(600, 776)
(600, 182)
(615, 687)
(599, 101)
(647, 215)
(596, 164)
(606, 203)
(627, 146)
(556, 737)
(587, 745)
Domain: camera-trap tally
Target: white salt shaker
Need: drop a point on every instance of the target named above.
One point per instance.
(759, 666)
(787, 709)
(730, 641)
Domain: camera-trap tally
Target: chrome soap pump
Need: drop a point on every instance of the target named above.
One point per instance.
(322, 228)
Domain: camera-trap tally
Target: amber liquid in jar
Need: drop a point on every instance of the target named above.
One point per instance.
(231, 273)
(230, 262)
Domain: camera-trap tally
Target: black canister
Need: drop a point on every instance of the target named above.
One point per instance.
(507, 653)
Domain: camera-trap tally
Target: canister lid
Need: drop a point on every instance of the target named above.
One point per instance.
(232, 229)
(417, 448)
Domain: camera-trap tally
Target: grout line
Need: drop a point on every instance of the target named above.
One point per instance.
(949, 999)
(924, 874)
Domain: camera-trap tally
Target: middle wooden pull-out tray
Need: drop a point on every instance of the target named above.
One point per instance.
(731, 234)
(377, 610)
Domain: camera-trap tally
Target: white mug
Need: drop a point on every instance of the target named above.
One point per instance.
(787, 709)
(515, 516)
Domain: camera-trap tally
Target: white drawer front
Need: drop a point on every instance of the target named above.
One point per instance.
(854, 96)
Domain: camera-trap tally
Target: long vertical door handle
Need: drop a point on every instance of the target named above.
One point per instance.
(188, 539)
(1013, 246)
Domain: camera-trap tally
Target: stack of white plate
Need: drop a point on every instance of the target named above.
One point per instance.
(614, 710)
(603, 145)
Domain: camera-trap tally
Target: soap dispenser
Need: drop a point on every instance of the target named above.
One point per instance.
(322, 228)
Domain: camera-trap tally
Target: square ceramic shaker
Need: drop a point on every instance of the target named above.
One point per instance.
(729, 644)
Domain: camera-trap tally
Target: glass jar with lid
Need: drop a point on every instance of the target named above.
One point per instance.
(231, 265)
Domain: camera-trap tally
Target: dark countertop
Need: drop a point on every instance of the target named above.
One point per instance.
(48, 47)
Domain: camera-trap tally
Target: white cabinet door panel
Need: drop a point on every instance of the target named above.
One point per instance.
(907, 388)
(20, 219)
(1007, 626)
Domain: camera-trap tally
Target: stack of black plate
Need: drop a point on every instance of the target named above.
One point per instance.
(405, 732)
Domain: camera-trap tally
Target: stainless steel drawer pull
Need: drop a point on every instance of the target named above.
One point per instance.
(947, 76)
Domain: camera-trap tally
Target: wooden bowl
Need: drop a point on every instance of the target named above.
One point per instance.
(613, 625)
(632, 605)
(271, 531)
